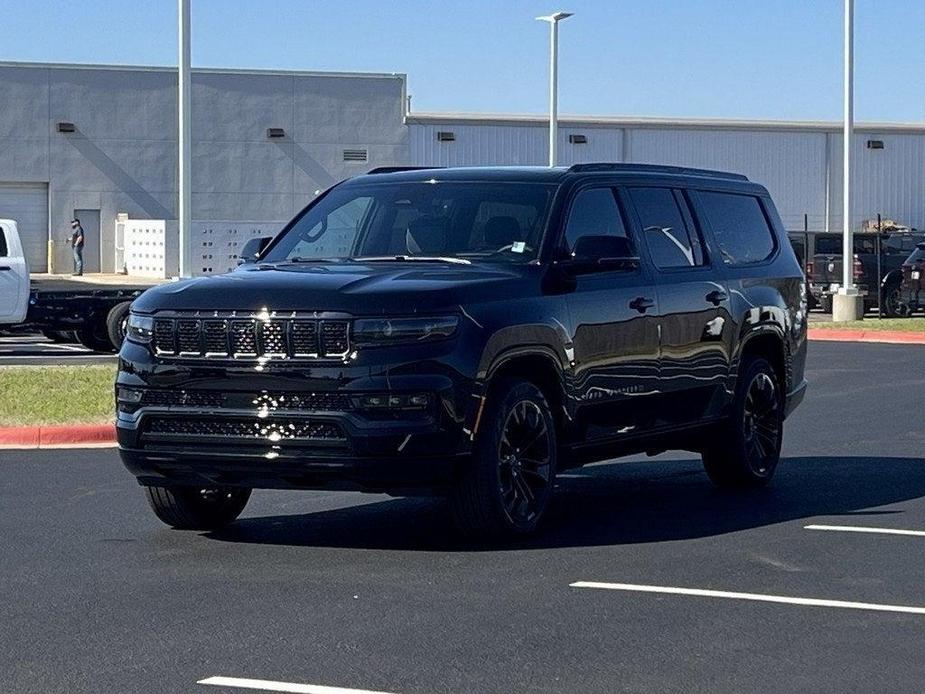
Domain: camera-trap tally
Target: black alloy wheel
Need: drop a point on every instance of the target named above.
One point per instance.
(744, 452)
(524, 456)
(762, 423)
(506, 488)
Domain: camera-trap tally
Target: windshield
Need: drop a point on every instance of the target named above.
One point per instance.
(451, 221)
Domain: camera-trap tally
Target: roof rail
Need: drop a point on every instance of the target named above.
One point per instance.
(396, 169)
(654, 168)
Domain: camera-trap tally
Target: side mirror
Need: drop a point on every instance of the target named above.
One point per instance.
(252, 250)
(600, 253)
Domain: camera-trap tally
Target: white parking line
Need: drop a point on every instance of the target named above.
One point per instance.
(860, 529)
(270, 686)
(757, 597)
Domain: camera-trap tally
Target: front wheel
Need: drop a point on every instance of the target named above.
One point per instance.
(506, 489)
(747, 449)
(195, 508)
(893, 304)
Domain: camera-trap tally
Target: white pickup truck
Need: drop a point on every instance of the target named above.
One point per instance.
(14, 275)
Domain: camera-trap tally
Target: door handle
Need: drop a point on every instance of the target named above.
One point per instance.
(5, 268)
(641, 304)
(716, 297)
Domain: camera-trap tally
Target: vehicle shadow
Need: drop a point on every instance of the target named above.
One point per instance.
(614, 504)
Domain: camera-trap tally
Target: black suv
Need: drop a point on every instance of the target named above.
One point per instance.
(469, 333)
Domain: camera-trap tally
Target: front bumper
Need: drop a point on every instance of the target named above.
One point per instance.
(294, 426)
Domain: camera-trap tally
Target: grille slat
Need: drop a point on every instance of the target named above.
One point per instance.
(334, 338)
(244, 338)
(188, 332)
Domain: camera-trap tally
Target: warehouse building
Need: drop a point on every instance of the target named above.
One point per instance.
(99, 143)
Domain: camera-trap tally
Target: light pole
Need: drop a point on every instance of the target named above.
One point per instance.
(554, 20)
(847, 304)
(184, 213)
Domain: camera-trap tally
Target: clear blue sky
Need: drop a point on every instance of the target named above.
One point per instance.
(697, 58)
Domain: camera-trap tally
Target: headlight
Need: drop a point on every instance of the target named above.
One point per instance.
(370, 332)
(139, 328)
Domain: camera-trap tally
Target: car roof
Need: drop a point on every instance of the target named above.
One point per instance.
(543, 174)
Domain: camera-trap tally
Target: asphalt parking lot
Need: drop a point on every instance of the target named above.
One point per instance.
(36, 350)
(705, 591)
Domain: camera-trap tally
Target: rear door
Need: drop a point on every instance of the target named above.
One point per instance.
(14, 276)
(614, 325)
(695, 330)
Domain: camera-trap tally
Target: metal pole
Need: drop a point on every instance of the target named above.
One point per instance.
(847, 245)
(879, 270)
(553, 90)
(184, 211)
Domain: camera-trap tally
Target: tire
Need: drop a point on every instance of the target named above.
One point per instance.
(195, 508)
(61, 336)
(115, 323)
(893, 305)
(95, 338)
(747, 448)
(825, 303)
(503, 492)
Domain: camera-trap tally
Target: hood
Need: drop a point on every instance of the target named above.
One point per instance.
(356, 288)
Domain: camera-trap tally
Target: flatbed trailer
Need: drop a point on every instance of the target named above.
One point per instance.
(91, 309)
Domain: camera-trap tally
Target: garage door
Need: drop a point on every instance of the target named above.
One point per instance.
(28, 205)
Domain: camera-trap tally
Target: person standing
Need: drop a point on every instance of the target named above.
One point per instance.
(77, 243)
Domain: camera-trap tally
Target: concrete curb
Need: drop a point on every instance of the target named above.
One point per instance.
(893, 337)
(59, 436)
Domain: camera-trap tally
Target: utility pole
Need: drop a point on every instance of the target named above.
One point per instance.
(184, 211)
(554, 20)
(847, 304)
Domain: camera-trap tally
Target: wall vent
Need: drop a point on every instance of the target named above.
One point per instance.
(64, 127)
(275, 132)
(875, 144)
(446, 136)
(355, 155)
(578, 139)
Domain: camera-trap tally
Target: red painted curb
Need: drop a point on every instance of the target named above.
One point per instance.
(894, 337)
(58, 435)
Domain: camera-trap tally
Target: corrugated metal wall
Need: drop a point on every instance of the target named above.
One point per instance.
(796, 165)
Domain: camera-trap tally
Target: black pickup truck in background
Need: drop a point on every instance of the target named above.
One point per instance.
(824, 271)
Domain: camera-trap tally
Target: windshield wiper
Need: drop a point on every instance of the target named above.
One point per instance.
(421, 258)
(300, 259)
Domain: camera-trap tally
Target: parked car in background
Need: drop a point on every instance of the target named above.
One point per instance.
(824, 272)
(469, 333)
(14, 275)
(909, 296)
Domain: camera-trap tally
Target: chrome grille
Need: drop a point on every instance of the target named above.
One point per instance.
(215, 337)
(304, 335)
(334, 337)
(273, 336)
(188, 336)
(163, 337)
(248, 338)
(244, 338)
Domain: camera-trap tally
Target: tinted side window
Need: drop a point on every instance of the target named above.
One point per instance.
(672, 244)
(4, 251)
(739, 226)
(594, 212)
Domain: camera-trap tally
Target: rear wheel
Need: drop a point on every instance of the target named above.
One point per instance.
(507, 487)
(95, 337)
(61, 336)
(747, 450)
(195, 508)
(117, 322)
(893, 304)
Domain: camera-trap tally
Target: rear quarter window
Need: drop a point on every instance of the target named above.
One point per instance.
(4, 251)
(740, 227)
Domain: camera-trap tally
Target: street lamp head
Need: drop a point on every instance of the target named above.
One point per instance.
(555, 17)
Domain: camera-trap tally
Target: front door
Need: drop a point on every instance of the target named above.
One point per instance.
(614, 327)
(90, 221)
(14, 277)
(695, 325)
